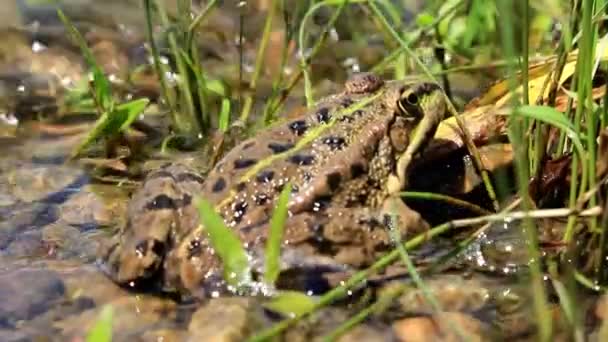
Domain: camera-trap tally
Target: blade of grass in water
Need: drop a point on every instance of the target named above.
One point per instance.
(559, 120)
(102, 330)
(187, 123)
(259, 60)
(304, 57)
(355, 280)
(516, 131)
(111, 123)
(227, 245)
(102, 93)
(167, 96)
(385, 300)
(448, 199)
(361, 276)
(290, 303)
(275, 237)
(420, 284)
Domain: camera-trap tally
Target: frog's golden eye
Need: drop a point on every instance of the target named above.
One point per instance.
(410, 105)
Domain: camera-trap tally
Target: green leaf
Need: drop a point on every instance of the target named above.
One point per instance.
(227, 245)
(217, 87)
(111, 123)
(224, 115)
(102, 330)
(275, 237)
(555, 118)
(101, 85)
(130, 110)
(424, 19)
(291, 303)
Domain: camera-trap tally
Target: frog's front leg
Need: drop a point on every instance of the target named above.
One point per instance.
(352, 236)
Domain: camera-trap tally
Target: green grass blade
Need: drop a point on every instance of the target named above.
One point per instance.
(130, 110)
(275, 237)
(102, 330)
(227, 245)
(559, 120)
(224, 115)
(101, 85)
(290, 303)
(98, 131)
(111, 123)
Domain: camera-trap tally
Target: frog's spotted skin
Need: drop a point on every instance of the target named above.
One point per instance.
(338, 158)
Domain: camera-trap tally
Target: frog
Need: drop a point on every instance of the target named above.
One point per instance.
(341, 159)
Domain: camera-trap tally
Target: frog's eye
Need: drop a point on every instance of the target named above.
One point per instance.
(412, 99)
(410, 105)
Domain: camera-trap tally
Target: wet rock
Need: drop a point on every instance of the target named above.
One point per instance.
(445, 326)
(27, 244)
(317, 327)
(36, 183)
(93, 206)
(19, 218)
(364, 332)
(27, 293)
(68, 242)
(164, 335)
(24, 335)
(87, 281)
(225, 320)
(132, 315)
(452, 292)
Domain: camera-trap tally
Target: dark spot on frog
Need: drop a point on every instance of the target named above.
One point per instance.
(185, 201)
(346, 118)
(240, 209)
(248, 145)
(321, 202)
(358, 113)
(265, 176)
(161, 202)
(261, 199)
(335, 143)
(188, 176)
(323, 115)
(154, 245)
(243, 163)
(219, 185)
(240, 186)
(356, 170)
(346, 102)
(279, 148)
(306, 176)
(298, 127)
(333, 180)
(302, 159)
(194, 248)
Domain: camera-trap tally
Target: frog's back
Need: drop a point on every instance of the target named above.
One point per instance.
(246, 182)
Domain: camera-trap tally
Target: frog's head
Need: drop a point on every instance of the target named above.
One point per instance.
(421, 106)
